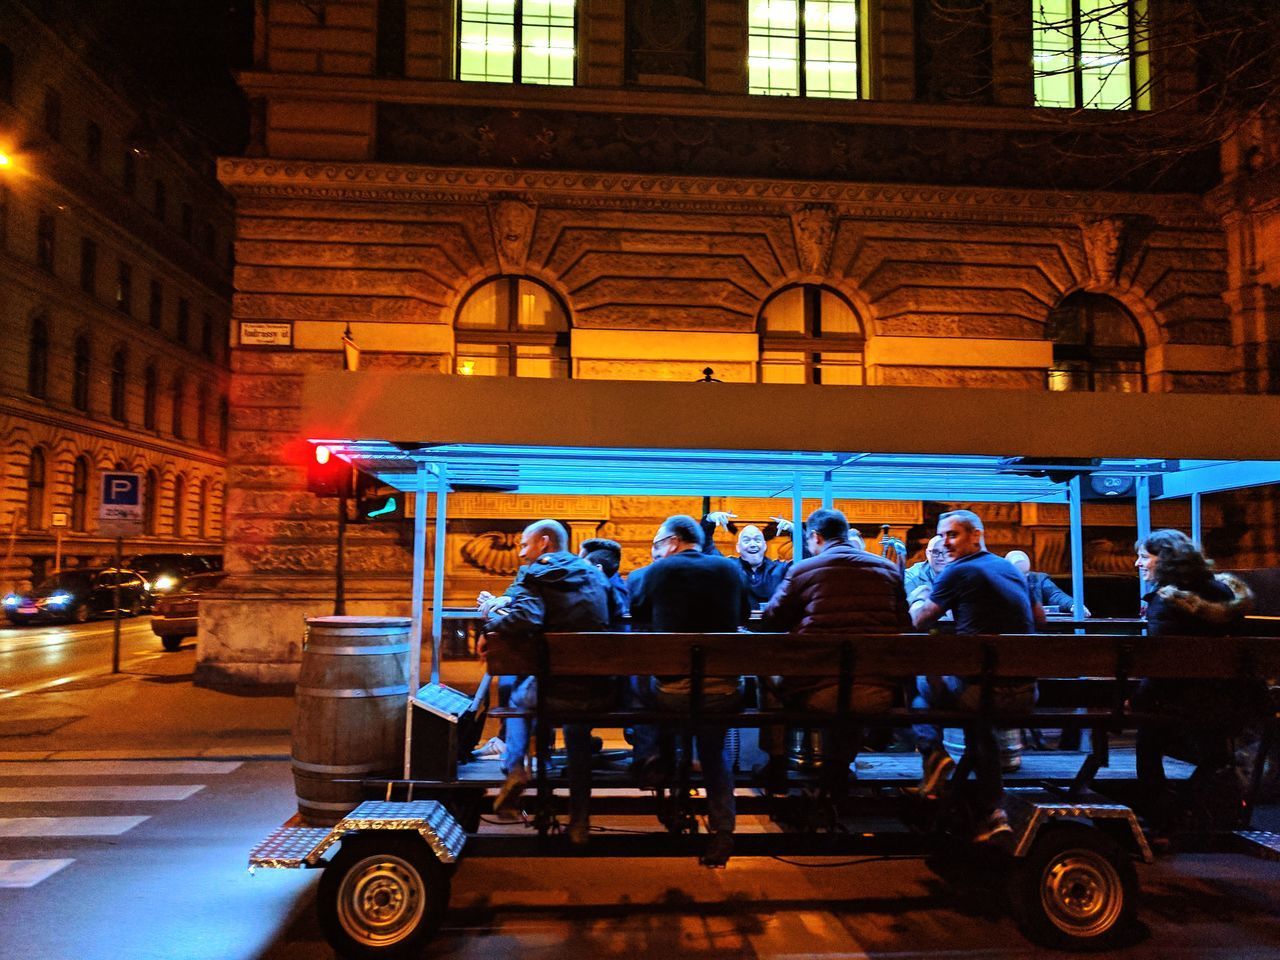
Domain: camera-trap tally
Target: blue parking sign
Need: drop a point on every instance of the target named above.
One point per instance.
(121, 496)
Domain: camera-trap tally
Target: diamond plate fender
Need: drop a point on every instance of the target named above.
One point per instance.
(292, 846)
(1030, 809)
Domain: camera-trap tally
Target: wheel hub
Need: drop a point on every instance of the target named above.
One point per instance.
(1082, 893)
(381, 900)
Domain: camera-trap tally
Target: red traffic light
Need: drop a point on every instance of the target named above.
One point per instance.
(329, 475)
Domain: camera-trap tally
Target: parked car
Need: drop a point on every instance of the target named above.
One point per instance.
(166, 572)
(73, 596)
(177, 614)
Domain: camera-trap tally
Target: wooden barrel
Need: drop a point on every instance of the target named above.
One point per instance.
(349, 715)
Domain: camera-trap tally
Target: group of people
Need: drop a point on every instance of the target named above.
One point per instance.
(837, 587)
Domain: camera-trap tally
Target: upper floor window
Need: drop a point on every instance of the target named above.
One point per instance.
(119, 376)
(6, 74)
(88, 265)
(38, 359)
(202, 416)
(806, 48)
(93, 144)
(155, 304)
(1084, 53)
(45, 240)
(184, 320)
(52, 113)
(810, 334)
(149, 391)
(80, 371)
(505, 41)
(1097, 346)
(124, 287)
(512, 327)
(206, 336)
(178, 407)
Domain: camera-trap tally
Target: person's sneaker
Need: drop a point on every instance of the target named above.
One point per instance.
(996, 823)
(579, 833)
(508, 798)
(938, 767)
(719, 850)
(491, 749)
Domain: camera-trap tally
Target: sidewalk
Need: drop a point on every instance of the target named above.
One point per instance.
(158, 713)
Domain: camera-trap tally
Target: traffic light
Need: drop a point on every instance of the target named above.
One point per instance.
(328, 475)
(376, 502)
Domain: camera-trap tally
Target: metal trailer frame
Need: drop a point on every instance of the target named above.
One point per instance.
(422, 434)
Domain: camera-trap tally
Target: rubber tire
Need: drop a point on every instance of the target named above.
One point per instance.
(135, 607)
(172, 644)
(80, 613)
(361, 853)
(1097, 855)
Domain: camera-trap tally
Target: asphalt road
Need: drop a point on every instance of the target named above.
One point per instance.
(34, 656)
(159, 872)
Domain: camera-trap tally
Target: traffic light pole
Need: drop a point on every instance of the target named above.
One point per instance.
(340, 581)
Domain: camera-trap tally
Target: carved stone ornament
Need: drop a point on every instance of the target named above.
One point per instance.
(512, 222)
(1103, 245)
(815, 229)
(494, 552)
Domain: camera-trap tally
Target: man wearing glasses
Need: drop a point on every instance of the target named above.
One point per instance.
(926, 572)
(687, 591)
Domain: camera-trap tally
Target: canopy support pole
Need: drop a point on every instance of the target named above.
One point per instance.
(1143, 504)
(1197, 522)
(417, 594)
(1077, 548)
(797, 517)
(437, 573)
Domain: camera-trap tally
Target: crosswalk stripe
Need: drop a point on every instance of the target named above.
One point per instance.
(122, 768)
(44, 793)
(67, 826)
(19, 874)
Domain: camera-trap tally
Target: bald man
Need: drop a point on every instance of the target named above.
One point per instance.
(1042, 588)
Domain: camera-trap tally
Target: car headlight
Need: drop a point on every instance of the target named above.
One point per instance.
(164, 582)
(12, 600)
(59, 599)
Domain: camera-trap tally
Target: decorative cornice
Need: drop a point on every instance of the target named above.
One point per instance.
(300, 179)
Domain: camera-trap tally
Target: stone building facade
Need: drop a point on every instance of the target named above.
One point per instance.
(115, 247)
(651, 217)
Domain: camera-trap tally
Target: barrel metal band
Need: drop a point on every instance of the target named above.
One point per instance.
(353, 692)
(336, 767)
(356, 651)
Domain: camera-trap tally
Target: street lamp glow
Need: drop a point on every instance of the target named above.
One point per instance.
(5, 160)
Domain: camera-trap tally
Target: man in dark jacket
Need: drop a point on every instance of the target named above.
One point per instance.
(840, 589)
(1043, 589)
(556, 591)
(688, 591)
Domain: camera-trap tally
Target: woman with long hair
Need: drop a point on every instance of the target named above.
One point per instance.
(1185, 597)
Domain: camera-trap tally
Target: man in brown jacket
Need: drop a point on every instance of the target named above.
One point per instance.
(840, 589)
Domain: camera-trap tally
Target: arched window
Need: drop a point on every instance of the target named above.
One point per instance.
(149, 497)
(206, 489)
(80, 495)
(80, 371)
(202, 416)
(1097, 346)
(149, 390)
(38, 359)
(810, 334)
(179, 404)
(512, 327)
(119, 373)
(179, 504)
(35, 490)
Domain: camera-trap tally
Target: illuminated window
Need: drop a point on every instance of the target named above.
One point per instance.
(35, 490)
(512, 327)
(502, 41)
(1084, 53)
(80, 495)
(1097, 346)
(805, 48)
(810, 334)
